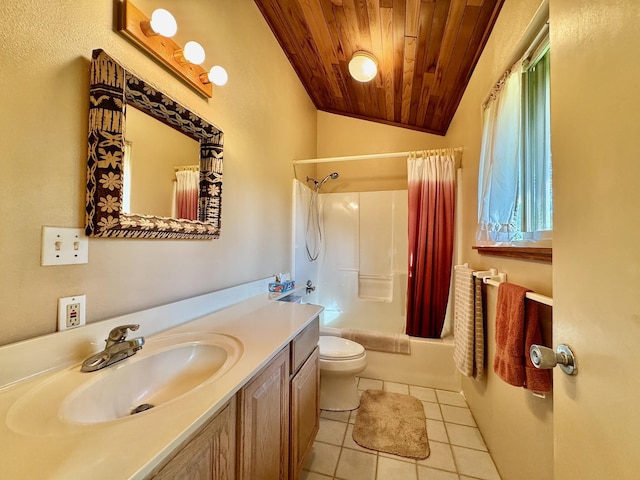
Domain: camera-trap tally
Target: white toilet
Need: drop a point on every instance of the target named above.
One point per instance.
(340, 361)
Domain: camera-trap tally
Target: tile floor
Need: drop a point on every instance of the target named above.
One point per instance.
(457, 449)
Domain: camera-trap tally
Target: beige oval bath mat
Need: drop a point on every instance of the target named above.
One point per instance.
(392, 423)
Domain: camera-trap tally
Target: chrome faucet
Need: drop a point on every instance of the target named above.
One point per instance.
(117, 348)
(310, 287)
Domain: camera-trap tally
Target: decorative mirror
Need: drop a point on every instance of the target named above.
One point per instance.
(113, 89)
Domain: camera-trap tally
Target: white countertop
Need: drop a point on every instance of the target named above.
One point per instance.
(133, 446)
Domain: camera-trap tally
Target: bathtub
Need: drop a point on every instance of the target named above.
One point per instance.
(429, 365)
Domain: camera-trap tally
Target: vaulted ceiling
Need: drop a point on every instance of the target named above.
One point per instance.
(426, 52)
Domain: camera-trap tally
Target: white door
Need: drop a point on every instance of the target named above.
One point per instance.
(595, 105)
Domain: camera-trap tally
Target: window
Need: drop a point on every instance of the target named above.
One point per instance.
(537, 201)
(515, 201)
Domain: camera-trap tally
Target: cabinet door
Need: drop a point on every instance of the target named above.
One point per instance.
(305, 412)
(263, 442)
(209, 455)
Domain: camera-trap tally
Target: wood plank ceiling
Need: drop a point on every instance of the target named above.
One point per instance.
(426, 51)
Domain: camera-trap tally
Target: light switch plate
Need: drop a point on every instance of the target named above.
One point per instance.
(64, 246)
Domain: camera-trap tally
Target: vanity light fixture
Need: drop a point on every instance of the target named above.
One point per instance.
(161, 23)
(192, 53)
(152, 35)
(363, 66)
(217, 75)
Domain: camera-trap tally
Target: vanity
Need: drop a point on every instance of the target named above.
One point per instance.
(267, 428)
(254, 417)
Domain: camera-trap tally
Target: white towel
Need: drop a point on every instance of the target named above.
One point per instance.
(468, 353)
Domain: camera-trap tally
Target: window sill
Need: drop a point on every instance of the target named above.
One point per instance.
(521, 253)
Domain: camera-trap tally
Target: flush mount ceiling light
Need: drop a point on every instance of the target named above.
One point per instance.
(363, 66)
(152, 34)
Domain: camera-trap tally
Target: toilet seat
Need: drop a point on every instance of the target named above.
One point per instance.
(337, 348)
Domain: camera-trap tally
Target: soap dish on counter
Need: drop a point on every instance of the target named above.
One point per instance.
(281, 287)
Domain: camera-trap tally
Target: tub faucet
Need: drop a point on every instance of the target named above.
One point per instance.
(310, 287)
(117, 348)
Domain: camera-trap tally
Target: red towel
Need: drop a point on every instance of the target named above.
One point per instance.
(517, 328)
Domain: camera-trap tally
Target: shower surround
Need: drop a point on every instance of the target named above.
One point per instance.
(360, 272)
(361, 279)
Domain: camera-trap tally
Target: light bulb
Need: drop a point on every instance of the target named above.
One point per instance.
(218, 75)
(163, 23)
(363, 66)
(193, 53)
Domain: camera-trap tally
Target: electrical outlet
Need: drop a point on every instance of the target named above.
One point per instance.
(71, 312)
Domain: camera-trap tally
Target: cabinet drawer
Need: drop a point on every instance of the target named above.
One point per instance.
(304, 343)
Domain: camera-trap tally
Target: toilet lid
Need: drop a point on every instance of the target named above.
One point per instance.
(339, 348)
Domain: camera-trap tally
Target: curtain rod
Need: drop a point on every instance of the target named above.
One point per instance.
(362, 157)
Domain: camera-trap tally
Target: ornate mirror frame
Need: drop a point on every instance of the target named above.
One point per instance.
(112, 89)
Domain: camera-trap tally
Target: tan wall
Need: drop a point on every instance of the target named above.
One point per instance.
(344, 136)
(264, 112)
(517, 427)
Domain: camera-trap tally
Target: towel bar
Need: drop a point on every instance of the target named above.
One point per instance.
(494, 278)
(536, 297)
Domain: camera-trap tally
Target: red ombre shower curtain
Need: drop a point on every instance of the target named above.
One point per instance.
(431, 176)
(186, 200)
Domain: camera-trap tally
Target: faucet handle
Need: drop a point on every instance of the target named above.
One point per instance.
(118, 334)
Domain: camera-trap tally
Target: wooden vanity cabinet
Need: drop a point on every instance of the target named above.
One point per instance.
(267, 431)
(304, 412)
(263, 423)
(279, 412)
(209, 455)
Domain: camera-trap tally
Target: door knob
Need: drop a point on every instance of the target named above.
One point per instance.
(544, 357)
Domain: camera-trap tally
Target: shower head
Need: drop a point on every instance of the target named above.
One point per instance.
(331, 176)
(318, 184)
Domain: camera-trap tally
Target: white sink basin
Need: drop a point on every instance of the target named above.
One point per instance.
(166, 369)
